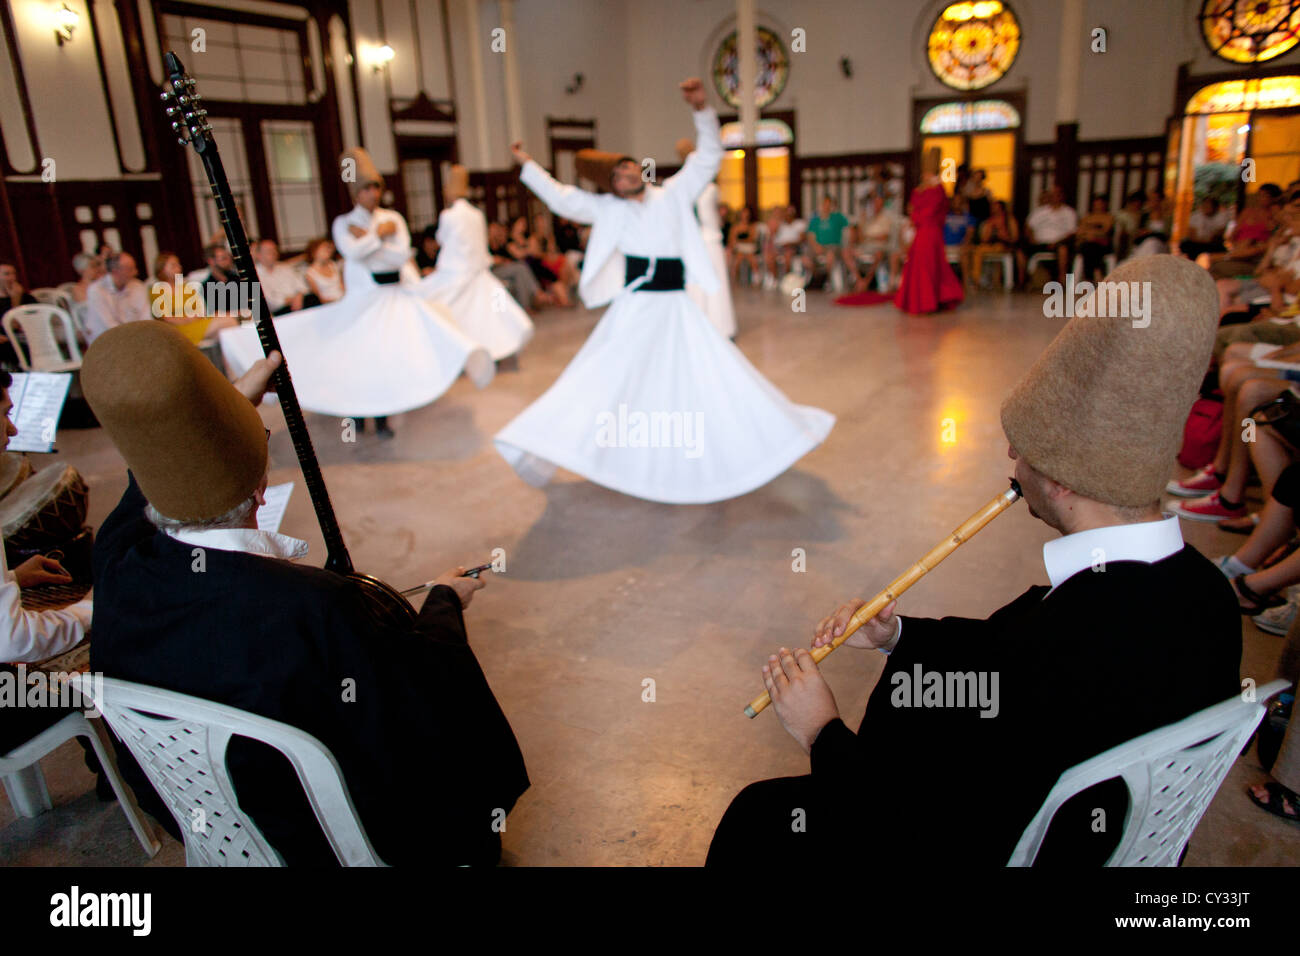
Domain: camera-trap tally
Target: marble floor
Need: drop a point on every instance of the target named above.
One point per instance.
(603, 592)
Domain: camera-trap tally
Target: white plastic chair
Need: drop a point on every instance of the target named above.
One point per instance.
(25, 784)
(1172, 775)
(42, 352)
(48, 297)
(1037, 259)
(1008, 262)
(180, 742)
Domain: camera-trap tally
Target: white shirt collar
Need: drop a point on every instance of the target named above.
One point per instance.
(1147, 541)
(268, 544)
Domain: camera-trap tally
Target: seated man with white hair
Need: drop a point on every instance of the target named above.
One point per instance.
(116, 298)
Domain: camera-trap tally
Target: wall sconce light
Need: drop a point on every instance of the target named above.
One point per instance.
(382, 57)
(575, 85)
(65, 22)
(846, 67)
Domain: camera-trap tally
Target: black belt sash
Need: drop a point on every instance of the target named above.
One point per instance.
(387, 278)
(669, 274)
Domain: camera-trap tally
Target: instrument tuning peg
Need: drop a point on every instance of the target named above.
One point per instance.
(182, 140)
(171, 111)
(176, 125)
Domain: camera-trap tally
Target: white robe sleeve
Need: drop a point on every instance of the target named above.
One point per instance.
(568, 202)
(350, 246)
(29, 636)
(701, 167)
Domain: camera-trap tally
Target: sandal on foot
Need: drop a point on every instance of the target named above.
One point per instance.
(1278, 797)
(1251, 603)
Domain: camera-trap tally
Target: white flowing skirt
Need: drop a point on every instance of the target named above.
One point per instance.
(377, 351)
(482, 308)
(717, 305)
(658, 405)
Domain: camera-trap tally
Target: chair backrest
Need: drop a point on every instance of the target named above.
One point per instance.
(1172, 775)
(180, 742)
(48, 296)
(42, 353)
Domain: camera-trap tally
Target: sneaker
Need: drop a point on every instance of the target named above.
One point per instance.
(1277, 620)
(1206, 509)
(1231, 567)
(1195, 486)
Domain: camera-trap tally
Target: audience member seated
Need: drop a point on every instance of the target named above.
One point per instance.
(220, 280)
(1051, 228)
(116, 298)
(787, 242)
(527, 249)
(1247, 237)
(323, 275)
(958, 231)
(979, 198)
(1152, 238)
(1261, 584)
(426, 253)
(88, 268)
(405, 711)
(1128, 220)
(825, 238)
(282, 286)
(743, 247)
(188, 309)
(1205, 229)
(1274, 274)
(571, 239)
(518, 278)
(552, 257)
(11, 291)
(999, 235)
(1095, 231)
(879, 242)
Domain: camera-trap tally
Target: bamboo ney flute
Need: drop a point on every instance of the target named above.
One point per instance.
(947, 546)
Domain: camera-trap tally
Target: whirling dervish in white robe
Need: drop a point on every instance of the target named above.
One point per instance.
(657, 404)
(381, 349)
(463, 282)
(716, 304)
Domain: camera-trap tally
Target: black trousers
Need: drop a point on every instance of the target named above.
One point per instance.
(786, 820)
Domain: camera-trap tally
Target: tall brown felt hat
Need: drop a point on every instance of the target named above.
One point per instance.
(1102, 410)
(596, 165)
(457, 183)
(366, 171)
(197, 447)
(684, 148)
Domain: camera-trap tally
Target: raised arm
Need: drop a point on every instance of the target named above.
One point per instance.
(701, 166)
(567, 201)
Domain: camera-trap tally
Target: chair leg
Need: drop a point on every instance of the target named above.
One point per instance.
(27, 791)
(98, 737)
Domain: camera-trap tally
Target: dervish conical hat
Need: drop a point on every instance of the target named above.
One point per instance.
(596, 165)
(684, 148)
(366, 171)
(196, 446)
(1102, 410)
(457, 183)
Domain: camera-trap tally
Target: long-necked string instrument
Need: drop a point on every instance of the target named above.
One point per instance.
(947, 546)
(189, 121)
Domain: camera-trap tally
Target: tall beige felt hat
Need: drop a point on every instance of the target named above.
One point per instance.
(366, 171)
(197, 446)
(684, 148)
(1102, 411)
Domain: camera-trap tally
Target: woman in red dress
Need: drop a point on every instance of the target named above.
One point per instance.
(928, 283)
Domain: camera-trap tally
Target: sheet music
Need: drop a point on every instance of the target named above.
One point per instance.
(38, 399)
(271, 514)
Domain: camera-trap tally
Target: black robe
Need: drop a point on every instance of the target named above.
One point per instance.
(1110, 655)
(430, 760)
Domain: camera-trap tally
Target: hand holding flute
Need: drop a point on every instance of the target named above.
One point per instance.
(867, 614)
